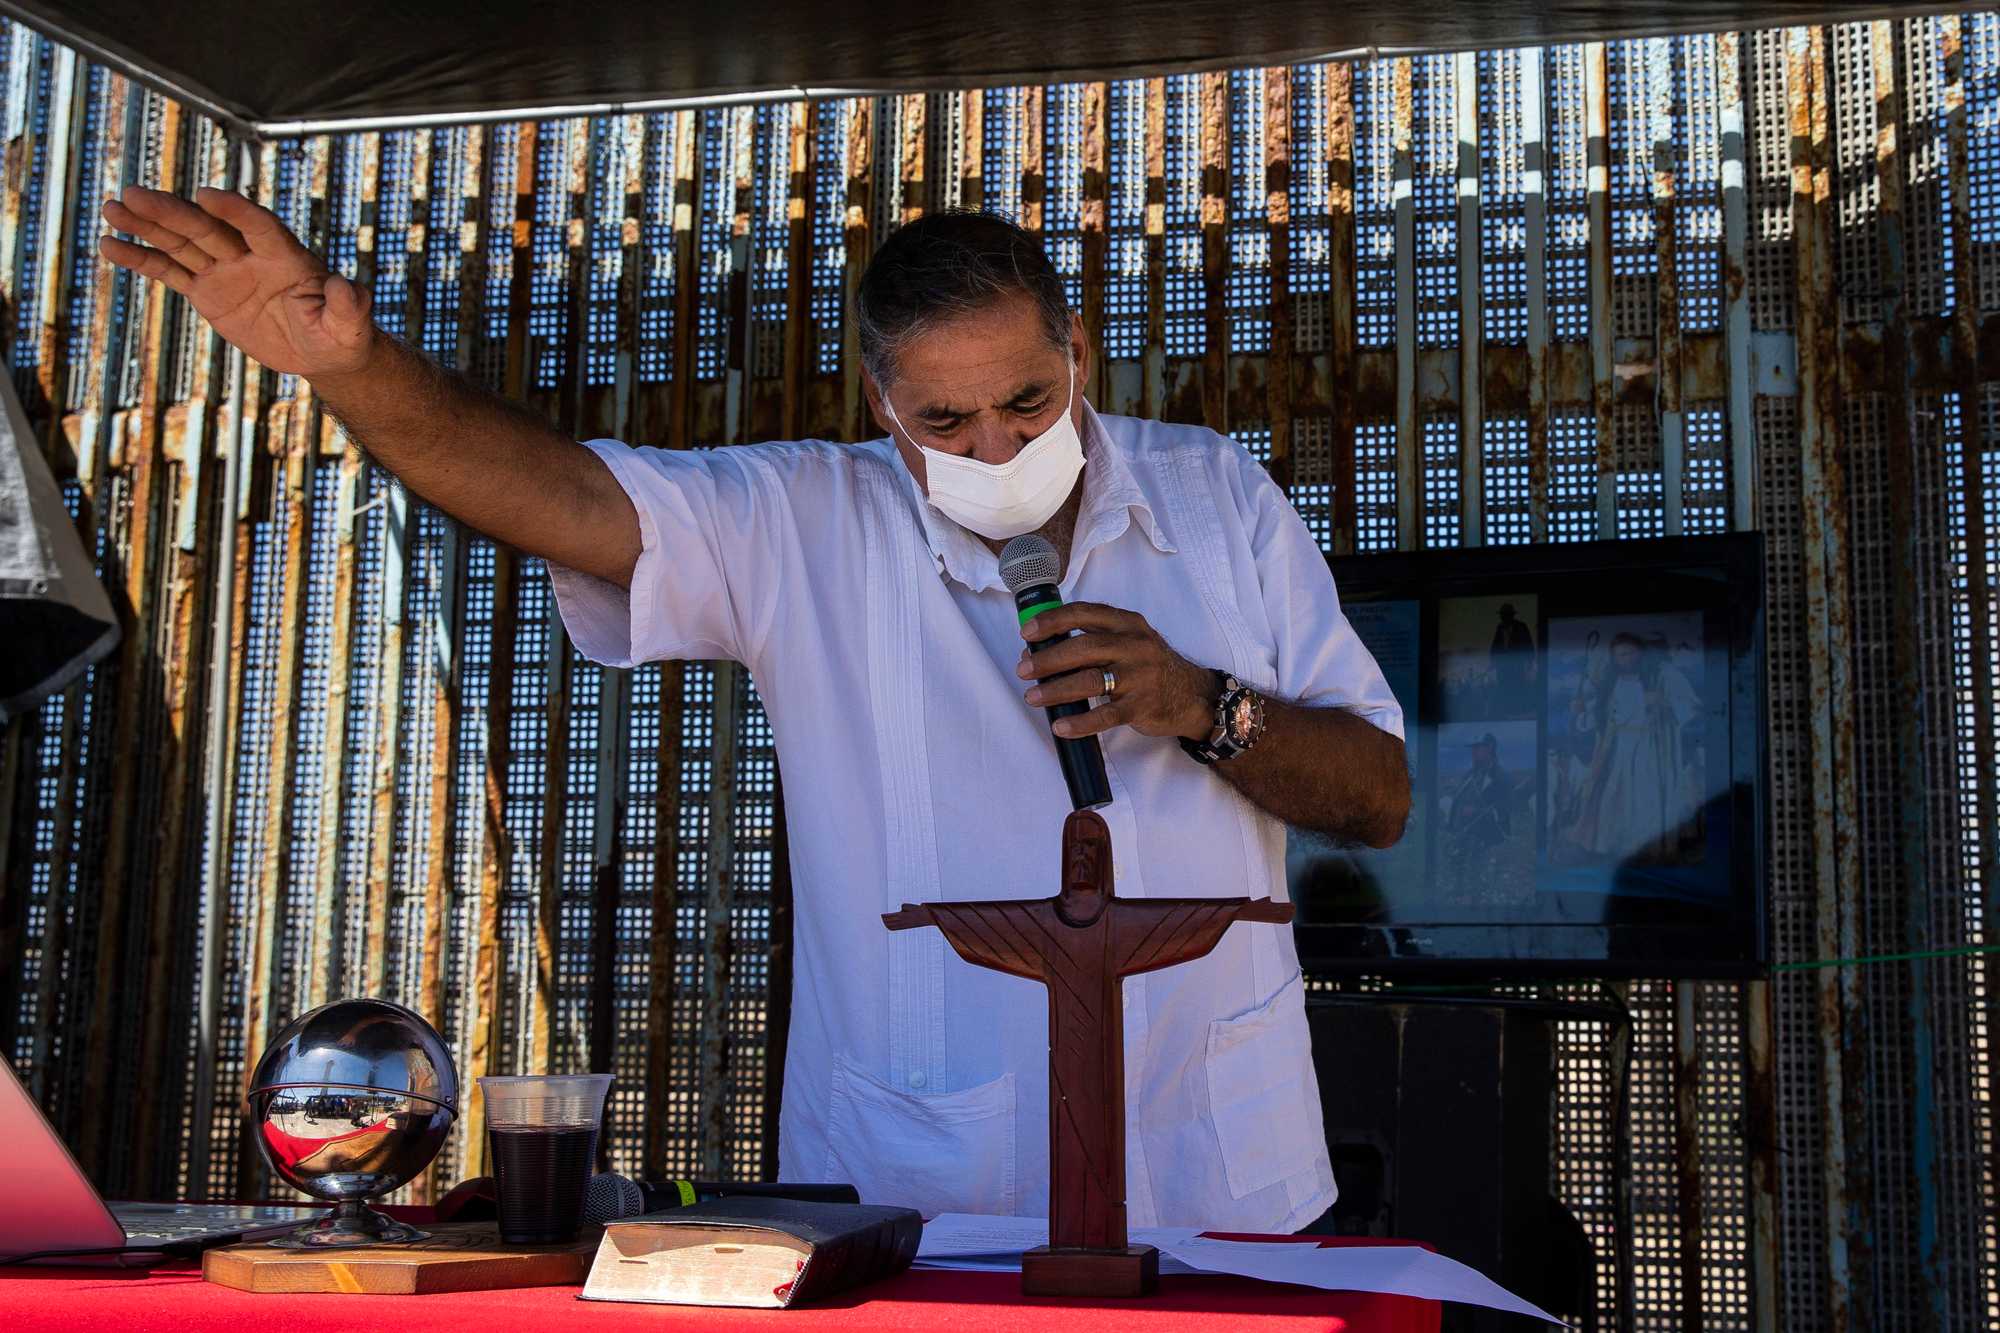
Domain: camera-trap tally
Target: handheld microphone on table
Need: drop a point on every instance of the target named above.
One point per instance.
(1030, 567)
(611, 1196)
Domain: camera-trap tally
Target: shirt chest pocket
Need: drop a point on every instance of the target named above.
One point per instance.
(1260, 1092)
(948, 1152)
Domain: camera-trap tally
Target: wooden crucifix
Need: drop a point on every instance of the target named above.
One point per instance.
(1080, 944)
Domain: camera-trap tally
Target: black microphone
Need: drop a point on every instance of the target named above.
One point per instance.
(1030, 568)
(611, 1196)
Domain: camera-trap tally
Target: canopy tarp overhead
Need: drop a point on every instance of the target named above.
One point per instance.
(273, 68)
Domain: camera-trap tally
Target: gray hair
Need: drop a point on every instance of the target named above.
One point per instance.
(945, 265)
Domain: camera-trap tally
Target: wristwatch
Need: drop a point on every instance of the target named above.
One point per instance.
(1239, 722)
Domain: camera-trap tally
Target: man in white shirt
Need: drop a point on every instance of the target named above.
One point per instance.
(860, 584)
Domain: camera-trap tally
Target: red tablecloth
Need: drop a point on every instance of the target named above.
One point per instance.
(173, 1296)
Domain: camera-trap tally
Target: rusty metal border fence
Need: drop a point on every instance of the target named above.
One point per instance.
(1618, 289)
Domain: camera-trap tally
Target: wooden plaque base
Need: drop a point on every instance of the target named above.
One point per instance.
(1132, 1271)
(462, 1256)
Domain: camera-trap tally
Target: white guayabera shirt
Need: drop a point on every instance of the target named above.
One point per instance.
(884, 646)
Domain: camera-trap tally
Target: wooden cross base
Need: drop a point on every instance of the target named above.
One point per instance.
(1132, 1271)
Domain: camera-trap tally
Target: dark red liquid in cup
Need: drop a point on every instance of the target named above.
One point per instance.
(540, 1172)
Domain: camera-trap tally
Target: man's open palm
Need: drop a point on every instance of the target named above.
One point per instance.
(245, 274)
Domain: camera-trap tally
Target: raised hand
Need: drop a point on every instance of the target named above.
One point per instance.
(246, 275)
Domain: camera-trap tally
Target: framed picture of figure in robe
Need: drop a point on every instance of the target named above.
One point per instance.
(1630, 718)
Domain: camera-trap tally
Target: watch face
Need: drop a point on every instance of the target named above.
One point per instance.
(1242, 717)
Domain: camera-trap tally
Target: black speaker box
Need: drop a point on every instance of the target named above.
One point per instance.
(1437, 1119)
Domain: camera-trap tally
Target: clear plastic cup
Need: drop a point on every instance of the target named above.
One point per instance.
(542, 1129)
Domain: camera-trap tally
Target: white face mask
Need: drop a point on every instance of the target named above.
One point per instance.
(1003, 500)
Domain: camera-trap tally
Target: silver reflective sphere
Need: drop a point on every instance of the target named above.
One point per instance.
(351, 1101)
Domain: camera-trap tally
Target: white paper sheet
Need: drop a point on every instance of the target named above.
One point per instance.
(1397, 1270)
(961, 1235)
(995, 1244)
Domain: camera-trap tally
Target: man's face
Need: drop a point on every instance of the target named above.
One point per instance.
(1625, 657)
(981, 386)
(1482, 756)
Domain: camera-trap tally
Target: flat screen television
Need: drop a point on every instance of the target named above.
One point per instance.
(1585, 727)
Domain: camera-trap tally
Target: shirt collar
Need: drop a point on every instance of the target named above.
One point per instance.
(1111, 498)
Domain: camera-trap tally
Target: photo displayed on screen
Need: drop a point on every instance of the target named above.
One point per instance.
(1486, 814)
(1488, 666)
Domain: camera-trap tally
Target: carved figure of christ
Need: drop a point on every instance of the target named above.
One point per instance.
(1080, 945)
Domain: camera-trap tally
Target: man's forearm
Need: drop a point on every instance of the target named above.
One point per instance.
(1319, 768)
(490, 463)
(1327, 770)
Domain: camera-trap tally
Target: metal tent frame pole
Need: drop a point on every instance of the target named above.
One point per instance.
(215, 858)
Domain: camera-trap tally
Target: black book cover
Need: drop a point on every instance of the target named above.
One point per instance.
(850, 1243)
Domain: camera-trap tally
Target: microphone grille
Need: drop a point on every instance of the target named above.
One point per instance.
(1029, 560)
(608, 1197)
